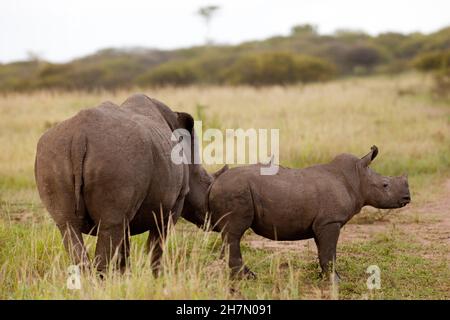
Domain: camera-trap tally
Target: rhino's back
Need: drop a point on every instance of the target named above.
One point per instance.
(284, 205)
(276, 201)
(137, 147)
(127, 157)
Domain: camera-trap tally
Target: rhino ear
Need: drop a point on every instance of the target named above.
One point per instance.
(185, 121)
(219, 172)
(368, 158)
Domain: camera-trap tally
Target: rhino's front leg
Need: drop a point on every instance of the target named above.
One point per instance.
(159, 231)
(326, 237)
(155, 244)
(124, 252)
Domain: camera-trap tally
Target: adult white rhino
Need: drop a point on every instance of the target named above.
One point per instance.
(107, 171)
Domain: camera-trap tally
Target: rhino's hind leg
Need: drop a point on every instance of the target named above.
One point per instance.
(232, 227)
(56, 189)
(109, 245)
(232, 243)
(112, 207)
(74, 244)
(155, 244)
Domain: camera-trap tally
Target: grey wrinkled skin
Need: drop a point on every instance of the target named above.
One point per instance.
(107, 171)
(297, 204)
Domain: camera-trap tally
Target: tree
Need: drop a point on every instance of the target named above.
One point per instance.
(207, 13)
(362, 56)
(304, 29)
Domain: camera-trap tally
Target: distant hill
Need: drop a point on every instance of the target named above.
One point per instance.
(303, 56)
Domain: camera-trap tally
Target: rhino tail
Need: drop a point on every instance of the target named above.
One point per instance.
(207, 207)
(78, 154)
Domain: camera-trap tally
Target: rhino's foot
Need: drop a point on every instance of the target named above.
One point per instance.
(336, 277)
(250, 274)
(335, 280)
(156, 271)
(101, 275)
(333, 277)
(222, 253)
(243, 274)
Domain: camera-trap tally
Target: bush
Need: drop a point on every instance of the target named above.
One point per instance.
(17, 76)
(278, 68)
(438, 63)
(171, 73)
(439, 40)
(442, 83)
(110, 74)
(432, 61)
(304, 30)
(310, 69)
(362, 57)
(413, 45)
(212, 68)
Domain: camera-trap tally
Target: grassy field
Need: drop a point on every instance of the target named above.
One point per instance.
(316, 122)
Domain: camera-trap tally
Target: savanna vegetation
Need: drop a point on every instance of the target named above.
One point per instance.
(402, 115)
(302, 56)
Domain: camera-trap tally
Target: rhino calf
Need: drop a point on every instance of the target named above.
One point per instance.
(297, 204)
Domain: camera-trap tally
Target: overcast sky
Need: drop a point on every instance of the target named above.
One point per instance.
(59, 30)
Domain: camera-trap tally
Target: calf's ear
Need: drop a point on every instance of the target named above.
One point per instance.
(185, 121)
(219, 172)
(367, 159)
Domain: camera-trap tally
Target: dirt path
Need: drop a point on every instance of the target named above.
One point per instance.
(428, 223)
(439, 231)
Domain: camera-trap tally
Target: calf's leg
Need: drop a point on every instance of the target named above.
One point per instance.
(232, 217)
(232, 242)
(326, 238)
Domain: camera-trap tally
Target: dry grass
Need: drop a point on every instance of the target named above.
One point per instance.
(316, 122)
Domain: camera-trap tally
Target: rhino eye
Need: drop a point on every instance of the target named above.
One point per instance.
(385, 185)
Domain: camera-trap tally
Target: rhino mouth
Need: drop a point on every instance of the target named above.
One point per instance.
(405, 200)
(403, 203)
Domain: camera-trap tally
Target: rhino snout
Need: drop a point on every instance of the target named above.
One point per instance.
(405, 200)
